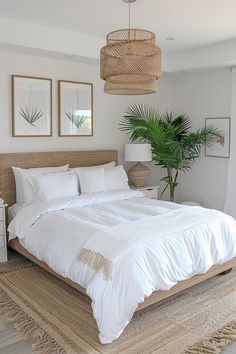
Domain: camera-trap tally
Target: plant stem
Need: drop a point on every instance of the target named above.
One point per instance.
(171, 183)
(172, 193)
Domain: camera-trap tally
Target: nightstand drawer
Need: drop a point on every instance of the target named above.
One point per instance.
(2, 241)
(2, 214)
(2, 228)
(148, 191)
(151, 193)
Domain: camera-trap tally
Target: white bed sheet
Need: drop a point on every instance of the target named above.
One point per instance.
(56, 231)
(13, 210)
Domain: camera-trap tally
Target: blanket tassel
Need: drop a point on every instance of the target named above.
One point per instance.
(96, 261)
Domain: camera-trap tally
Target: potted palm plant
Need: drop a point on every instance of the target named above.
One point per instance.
(174, 145)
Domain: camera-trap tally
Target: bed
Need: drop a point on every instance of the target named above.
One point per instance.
(87, 158)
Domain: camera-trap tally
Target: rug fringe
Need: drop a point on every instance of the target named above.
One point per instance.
(28, 327)
(216, 342)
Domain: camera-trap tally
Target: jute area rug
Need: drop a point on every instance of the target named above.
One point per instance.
(59, 319)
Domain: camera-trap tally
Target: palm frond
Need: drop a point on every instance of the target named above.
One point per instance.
(136, 119)
(31, 115)
(77, 120)
(174, 145)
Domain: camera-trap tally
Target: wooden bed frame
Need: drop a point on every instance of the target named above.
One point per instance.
(81, 158)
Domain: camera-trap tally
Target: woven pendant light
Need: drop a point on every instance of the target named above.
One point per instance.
(130, 63)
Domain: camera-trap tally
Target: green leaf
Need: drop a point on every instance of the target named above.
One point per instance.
(31, 115)
(174, 145)
(77, 120)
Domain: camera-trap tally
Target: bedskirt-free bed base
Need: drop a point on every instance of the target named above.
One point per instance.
(155, 296)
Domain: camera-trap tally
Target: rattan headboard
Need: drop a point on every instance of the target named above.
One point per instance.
(44, 159)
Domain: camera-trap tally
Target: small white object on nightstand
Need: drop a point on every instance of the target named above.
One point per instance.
(149, 191)
(3, 235)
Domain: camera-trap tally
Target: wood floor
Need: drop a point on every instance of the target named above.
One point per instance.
(12, 342)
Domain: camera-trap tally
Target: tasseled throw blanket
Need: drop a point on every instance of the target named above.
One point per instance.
(105, 248)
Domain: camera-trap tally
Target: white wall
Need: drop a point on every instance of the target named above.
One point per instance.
(108, 110)
(204, 94)
(230, 205)
(200, 94)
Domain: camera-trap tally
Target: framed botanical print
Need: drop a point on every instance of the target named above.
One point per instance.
(222, 149)
(75, 108)
(31, 106)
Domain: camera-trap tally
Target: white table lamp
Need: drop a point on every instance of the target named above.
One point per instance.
(139, 173)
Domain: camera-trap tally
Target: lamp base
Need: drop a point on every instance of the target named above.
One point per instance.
(138, 175)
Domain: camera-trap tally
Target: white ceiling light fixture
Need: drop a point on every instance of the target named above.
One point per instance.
(130, 63)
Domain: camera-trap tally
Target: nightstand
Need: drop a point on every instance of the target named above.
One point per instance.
(149, 191)
(3, 235)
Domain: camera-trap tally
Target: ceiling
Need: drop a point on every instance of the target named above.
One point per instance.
(192, 23)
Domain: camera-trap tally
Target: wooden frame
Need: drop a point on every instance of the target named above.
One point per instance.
(155, 297)
(218, 119)
(60, 83)
(46, 159)
(13, 99)
(81, 158)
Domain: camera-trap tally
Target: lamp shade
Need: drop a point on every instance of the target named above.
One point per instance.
(130, 63)
(138, 152)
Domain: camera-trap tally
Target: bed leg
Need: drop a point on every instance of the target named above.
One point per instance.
(226, 271)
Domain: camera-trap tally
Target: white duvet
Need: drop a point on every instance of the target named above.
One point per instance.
(180, 242)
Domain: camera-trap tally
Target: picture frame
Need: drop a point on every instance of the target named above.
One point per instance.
(75, 109)
(31, 106)
(222, 149)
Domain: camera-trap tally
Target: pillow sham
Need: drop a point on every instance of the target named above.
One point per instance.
(22, 185)
(105, 166)
(56, 185)
(91, 180)
(116, 178)
(102, 180)
(19, 192)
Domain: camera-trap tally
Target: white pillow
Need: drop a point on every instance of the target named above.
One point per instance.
(116, 178)
(22, 185)
(19, 192)
(101, 180)
(105, 166)
(91, 180)
(56, 185)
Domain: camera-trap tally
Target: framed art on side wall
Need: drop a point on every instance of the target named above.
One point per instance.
(31, 106)
(222, 149)
(75, 108)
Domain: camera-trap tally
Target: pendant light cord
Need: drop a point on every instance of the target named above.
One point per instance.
(129, 15)
(129, 22)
